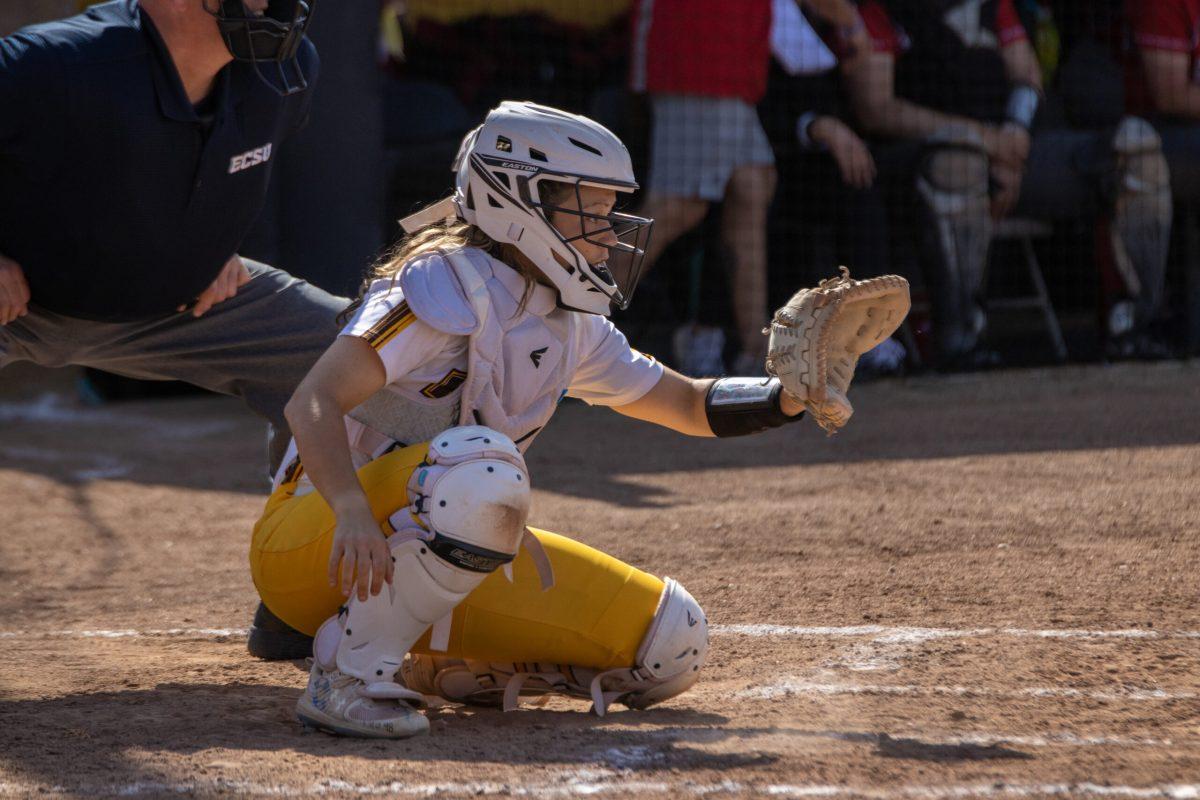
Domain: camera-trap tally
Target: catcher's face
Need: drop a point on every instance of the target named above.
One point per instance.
(589, 232)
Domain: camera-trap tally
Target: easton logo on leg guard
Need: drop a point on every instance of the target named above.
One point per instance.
(469, 557)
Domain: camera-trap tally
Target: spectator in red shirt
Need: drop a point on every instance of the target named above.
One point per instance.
(1164, 76)
(1163, 83)
(951, 89)
(704, 64)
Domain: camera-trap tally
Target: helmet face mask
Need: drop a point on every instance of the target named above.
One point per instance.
(503, 167)
(270, 40)
(618, 274)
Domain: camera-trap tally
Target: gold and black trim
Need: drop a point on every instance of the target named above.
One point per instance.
(449, 382)
(293, 471)
(386, 329)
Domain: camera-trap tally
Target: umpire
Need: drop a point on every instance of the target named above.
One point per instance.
(136, 144)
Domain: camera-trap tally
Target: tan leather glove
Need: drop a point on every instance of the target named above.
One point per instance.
(817, 337)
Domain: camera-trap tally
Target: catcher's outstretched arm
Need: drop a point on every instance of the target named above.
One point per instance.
(675, 402)
(682, 404)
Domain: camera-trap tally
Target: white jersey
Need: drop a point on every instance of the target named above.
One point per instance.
(547, 352)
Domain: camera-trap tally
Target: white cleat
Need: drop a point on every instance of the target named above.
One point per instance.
(344, 705)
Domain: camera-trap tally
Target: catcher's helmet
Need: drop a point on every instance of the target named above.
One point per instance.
(270, 38)
(502, 167)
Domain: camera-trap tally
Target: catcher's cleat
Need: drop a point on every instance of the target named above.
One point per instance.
(273, 639)
(344, 705)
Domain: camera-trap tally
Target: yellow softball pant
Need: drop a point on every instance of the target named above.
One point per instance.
(595, 615)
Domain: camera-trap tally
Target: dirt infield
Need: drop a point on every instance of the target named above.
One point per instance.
(987, 586)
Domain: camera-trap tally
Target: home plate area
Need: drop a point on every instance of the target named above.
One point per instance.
(984, 587)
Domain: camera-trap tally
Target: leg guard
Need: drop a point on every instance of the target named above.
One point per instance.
(956, 232)
(469, 501)
(667, 664)
(1142, 207)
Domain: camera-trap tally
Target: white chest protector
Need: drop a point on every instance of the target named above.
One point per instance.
(489, 349)
(519, 363)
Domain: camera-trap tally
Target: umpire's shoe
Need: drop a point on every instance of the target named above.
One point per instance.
(274, 640)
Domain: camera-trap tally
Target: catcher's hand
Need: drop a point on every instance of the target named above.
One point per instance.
(817, 337)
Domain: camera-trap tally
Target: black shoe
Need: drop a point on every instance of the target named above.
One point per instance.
(1137, 347)
(273, 639)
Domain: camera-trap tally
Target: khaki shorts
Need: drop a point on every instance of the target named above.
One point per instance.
(699, 141)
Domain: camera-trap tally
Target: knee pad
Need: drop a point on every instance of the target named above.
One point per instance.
(952, 186)
(667, 664)
(469, 501)
(1142, 207)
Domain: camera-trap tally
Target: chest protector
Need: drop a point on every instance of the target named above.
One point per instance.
(458, 293)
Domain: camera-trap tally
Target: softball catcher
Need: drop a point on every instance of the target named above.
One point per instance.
(406, 490)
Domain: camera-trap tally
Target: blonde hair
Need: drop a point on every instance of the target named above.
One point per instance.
(447, 236)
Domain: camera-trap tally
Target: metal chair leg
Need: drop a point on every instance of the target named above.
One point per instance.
(1047, 308)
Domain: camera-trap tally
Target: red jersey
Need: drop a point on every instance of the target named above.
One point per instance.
(714, 48)
(1171, 25)
(888, 37)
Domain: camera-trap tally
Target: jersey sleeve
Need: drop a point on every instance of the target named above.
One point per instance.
(402, 341)
(1009, 28)
(1160, 25)
(610, 372)
(885, 38)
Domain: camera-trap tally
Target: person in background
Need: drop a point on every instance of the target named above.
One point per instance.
(703, 65)
(828, 210)
(950, 91)
(1163, 84)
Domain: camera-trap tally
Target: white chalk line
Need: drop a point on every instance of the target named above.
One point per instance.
(903, 634)
(56, 410)
(879, 633)
(192, 633)
(790, 688)
(589, 783)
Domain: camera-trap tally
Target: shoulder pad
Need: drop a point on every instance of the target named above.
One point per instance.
(435, 295)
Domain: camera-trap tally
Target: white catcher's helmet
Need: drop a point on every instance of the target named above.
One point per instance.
(501, 168)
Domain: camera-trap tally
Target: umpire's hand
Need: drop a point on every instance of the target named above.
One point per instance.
(234, 275)
(14, 291)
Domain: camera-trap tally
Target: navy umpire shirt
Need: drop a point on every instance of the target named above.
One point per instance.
(119, 199)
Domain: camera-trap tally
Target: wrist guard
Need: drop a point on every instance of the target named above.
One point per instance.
(741, 406)
(1023, 102)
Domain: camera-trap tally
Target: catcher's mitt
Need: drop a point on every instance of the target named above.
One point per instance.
(817, 337)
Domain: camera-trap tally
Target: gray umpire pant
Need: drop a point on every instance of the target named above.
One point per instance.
(256, 345)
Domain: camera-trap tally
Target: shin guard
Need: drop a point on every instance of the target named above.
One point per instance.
(1142, 208)
(471, 497)
(667, 664)
(956, 232)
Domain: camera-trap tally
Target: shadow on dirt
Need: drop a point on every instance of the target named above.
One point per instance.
(1028, 411)
(890, 747)
(215, 444)
(110, 739)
